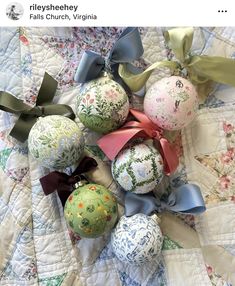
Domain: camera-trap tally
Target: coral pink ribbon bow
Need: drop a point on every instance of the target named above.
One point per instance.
(112, 143)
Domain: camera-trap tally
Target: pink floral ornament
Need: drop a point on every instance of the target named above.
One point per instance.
(171, 103)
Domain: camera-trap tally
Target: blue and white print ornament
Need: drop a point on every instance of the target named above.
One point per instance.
(138, 168)
(56, 142)
(137, 239)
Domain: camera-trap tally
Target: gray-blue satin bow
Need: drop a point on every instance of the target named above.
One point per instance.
(127, 49)
(186, 199)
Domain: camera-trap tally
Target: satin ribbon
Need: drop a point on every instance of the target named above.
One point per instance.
(200, 68)
(187, 199)
(63, 183)
(28, 114)
(127, 49)
(112, 143)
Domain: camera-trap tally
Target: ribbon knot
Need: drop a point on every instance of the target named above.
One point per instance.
(154, 134)
(64, 183)
(160, 205)
(73, 180)
(187, 199)
(127, 48)
(171, 200)
(112, 143)
(28, 114)
(108, 65)
(39, 111)
(165, 204)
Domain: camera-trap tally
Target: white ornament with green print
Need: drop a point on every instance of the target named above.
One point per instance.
(102, 105)
(56, 142)
(138, 168)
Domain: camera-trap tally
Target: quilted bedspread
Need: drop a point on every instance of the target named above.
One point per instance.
(35, 246)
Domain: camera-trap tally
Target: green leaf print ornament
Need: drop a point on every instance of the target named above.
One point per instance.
(56, 142)
(138, 168)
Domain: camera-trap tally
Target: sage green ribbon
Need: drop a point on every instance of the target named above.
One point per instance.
(28, 114)
(200, 68)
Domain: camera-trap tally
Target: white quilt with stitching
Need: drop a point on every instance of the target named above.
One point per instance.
(35, 245)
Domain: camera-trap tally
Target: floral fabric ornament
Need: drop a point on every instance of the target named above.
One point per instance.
(28, 114)
(200, 69)
(112, 143)
(91, 211)
(102, 105)
(171, 103)
(56, 142)
(137, 240)
(138, 168)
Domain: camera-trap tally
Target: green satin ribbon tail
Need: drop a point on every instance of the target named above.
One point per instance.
(29, 115)
(200, 68)
(137, 81)
(47, 90)
(218, 69)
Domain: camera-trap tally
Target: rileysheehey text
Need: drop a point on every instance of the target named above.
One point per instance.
(51, 7)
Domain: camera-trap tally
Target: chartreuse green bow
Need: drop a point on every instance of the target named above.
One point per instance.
(200, 68)
(28, 114)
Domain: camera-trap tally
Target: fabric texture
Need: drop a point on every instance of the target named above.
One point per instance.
(36, 247)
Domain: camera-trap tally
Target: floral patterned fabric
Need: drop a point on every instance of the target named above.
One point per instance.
(56, 142)
(91, 210)
(102, 105)
(36, 246)
(171, 103)
(137, 239)
(138, 168)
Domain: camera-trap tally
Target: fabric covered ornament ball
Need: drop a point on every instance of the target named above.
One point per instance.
(56, 141)
(137, 239)
(138, 168)
(171, 103)
(102, 105)
(91, 211)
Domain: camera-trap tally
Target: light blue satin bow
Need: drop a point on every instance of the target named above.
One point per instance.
(186, 199)
(126, 49)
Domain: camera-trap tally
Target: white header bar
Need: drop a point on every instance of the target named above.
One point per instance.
(117, 13)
